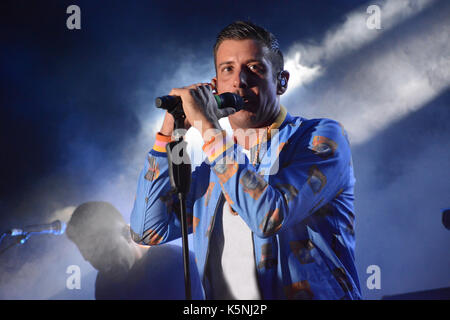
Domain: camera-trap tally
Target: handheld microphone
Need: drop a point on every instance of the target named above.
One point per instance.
(57, 227)
(224, 100)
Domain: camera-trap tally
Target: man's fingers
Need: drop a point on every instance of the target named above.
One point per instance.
(191, 90)
(205, 84)
(225, 112)
(176, 91)
(196, 85)
(205, 91)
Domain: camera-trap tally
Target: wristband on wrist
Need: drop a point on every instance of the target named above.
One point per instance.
(161, 142)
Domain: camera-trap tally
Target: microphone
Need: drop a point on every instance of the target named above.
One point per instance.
(224, 100)
(57, 227)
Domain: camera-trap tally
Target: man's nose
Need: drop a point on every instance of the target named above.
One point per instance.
(241, 79)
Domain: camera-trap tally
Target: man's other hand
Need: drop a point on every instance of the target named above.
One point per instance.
(200, 107)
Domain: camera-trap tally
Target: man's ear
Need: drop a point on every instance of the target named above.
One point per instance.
(214, 84)
(282, 82)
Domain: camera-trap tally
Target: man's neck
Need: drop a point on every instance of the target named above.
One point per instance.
(249, 137)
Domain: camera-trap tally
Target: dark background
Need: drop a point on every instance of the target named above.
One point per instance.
(77, 118)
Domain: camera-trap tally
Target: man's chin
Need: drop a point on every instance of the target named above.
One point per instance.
(242, 119)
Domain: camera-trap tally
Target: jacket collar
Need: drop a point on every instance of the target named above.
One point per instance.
(282, 115)
(282, 118)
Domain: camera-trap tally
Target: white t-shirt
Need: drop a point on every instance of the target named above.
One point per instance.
(237, 277)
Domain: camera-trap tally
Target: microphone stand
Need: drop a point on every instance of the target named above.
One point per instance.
(180, 180)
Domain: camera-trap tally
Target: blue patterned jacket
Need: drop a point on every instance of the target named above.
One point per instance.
(296, 197)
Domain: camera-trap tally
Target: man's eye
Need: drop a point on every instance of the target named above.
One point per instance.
(255, 68)
(227, 69)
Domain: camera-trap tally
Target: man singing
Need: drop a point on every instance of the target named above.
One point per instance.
(270, 220)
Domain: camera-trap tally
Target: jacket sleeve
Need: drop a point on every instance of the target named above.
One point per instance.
(153, 219)
(317, 166)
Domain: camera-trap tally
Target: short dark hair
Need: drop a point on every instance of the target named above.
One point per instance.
(93, 218)
(242, 30)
